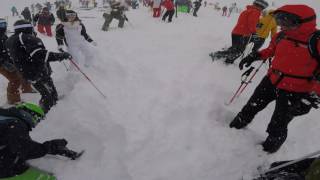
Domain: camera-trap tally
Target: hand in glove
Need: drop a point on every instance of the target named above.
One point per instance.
(254, 38)
(94, 43)
(247, 61)
(55, 146)
(312, 100)
(64, 55)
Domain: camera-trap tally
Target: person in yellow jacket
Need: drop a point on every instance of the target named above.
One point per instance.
(266, 24)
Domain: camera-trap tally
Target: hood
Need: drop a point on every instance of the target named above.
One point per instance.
(304, 12)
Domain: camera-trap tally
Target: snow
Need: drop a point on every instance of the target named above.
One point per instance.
(165, 116)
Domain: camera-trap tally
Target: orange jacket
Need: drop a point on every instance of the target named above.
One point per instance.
(247, 21)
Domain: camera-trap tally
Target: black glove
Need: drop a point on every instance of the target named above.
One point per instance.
(54, 146)
(247, 61)
(64, 55)
(312, 100)
(254, 38)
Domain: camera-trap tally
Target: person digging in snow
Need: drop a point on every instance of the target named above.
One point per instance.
(31, 59)
(292, 76)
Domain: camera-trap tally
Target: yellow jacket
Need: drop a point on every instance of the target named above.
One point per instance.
(266, 24)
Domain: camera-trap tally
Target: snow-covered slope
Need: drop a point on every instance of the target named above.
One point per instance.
(164, 117)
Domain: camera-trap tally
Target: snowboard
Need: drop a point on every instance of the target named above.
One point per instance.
(33, 173)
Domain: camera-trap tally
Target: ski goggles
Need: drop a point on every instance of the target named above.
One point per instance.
(285, 19)
(71, 15)
(3, 24)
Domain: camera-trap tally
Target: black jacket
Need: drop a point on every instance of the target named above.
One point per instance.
(61, 14)
(16, 145)
(4, 56)
(60, 35)
(197, 4)
(26, 14)
(44, 19)
(30, 56)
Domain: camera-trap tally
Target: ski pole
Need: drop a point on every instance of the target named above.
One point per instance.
(253, 75)
(243, 81)
(290, 163)
(87, 78)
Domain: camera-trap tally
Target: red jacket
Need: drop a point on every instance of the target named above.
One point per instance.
(290, 58)
(247, 21)
(168, 4)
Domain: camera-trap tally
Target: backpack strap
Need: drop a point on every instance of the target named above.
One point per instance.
(313, 45)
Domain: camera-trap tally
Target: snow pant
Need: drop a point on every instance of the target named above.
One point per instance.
(81, 53)
(45, 29)
(258, 43)
(32, 173)
(15, 81)
(288, 105)
(168, 13)
(49, 94)
(224, 13)
(108, 19)
(239, 44)
(156, 12)
(195, 11)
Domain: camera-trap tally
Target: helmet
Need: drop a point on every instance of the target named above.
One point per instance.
(32, 113)
(261, 3)
(23, 26)
(3, 25)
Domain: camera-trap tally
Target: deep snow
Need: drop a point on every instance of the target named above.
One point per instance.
(165, 116)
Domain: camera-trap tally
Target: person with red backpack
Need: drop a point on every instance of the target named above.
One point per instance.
(45, 20)
(291, 77)
(243, 32)
(168, 4)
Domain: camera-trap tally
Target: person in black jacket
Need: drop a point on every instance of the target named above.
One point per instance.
(8, 70)
(197, 5)
(116, 12)
(16, 145)
(45, 20)
(61, 13)
(73, 34)
(32, 60)
(26, 14)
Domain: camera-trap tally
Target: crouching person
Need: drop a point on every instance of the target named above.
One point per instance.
(16, 145)
(31, 59)
(117, 12)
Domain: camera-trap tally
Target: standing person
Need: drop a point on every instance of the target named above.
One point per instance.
(224, 11)
(8, 70)
(290, 77)
(168, 4)
(73, 34)
(197, 5)
(14, 11)
(26, 14)
(32, 60)
(116, 12)
(17, 146)
(45, 20)
(61, 13)
(267, 26)
(244, 30)
(156, 8)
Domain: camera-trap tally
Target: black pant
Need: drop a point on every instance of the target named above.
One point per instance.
(49, 95)
(168, 13)
(238, 46)
(258, 43)
(288, 105)
(195, 11)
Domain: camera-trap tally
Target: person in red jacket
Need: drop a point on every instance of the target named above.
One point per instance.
(244, 31)
(45, 20)
(168, 4)
(290, 77)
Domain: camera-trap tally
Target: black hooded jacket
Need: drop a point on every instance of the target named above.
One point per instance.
(30, 56)
(16, 145)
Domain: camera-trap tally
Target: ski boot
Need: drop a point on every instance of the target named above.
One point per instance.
(273, 143)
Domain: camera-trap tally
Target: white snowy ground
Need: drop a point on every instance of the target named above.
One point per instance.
(165, 116)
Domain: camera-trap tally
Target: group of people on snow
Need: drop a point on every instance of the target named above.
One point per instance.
(292, 80)
(25, 62)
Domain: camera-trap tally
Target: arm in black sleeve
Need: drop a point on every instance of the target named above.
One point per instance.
(52, 19)
(84, 33)
(60, 37)
(36, 17)
(20, 143)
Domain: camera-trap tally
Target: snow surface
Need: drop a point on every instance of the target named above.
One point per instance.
(165, 116)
